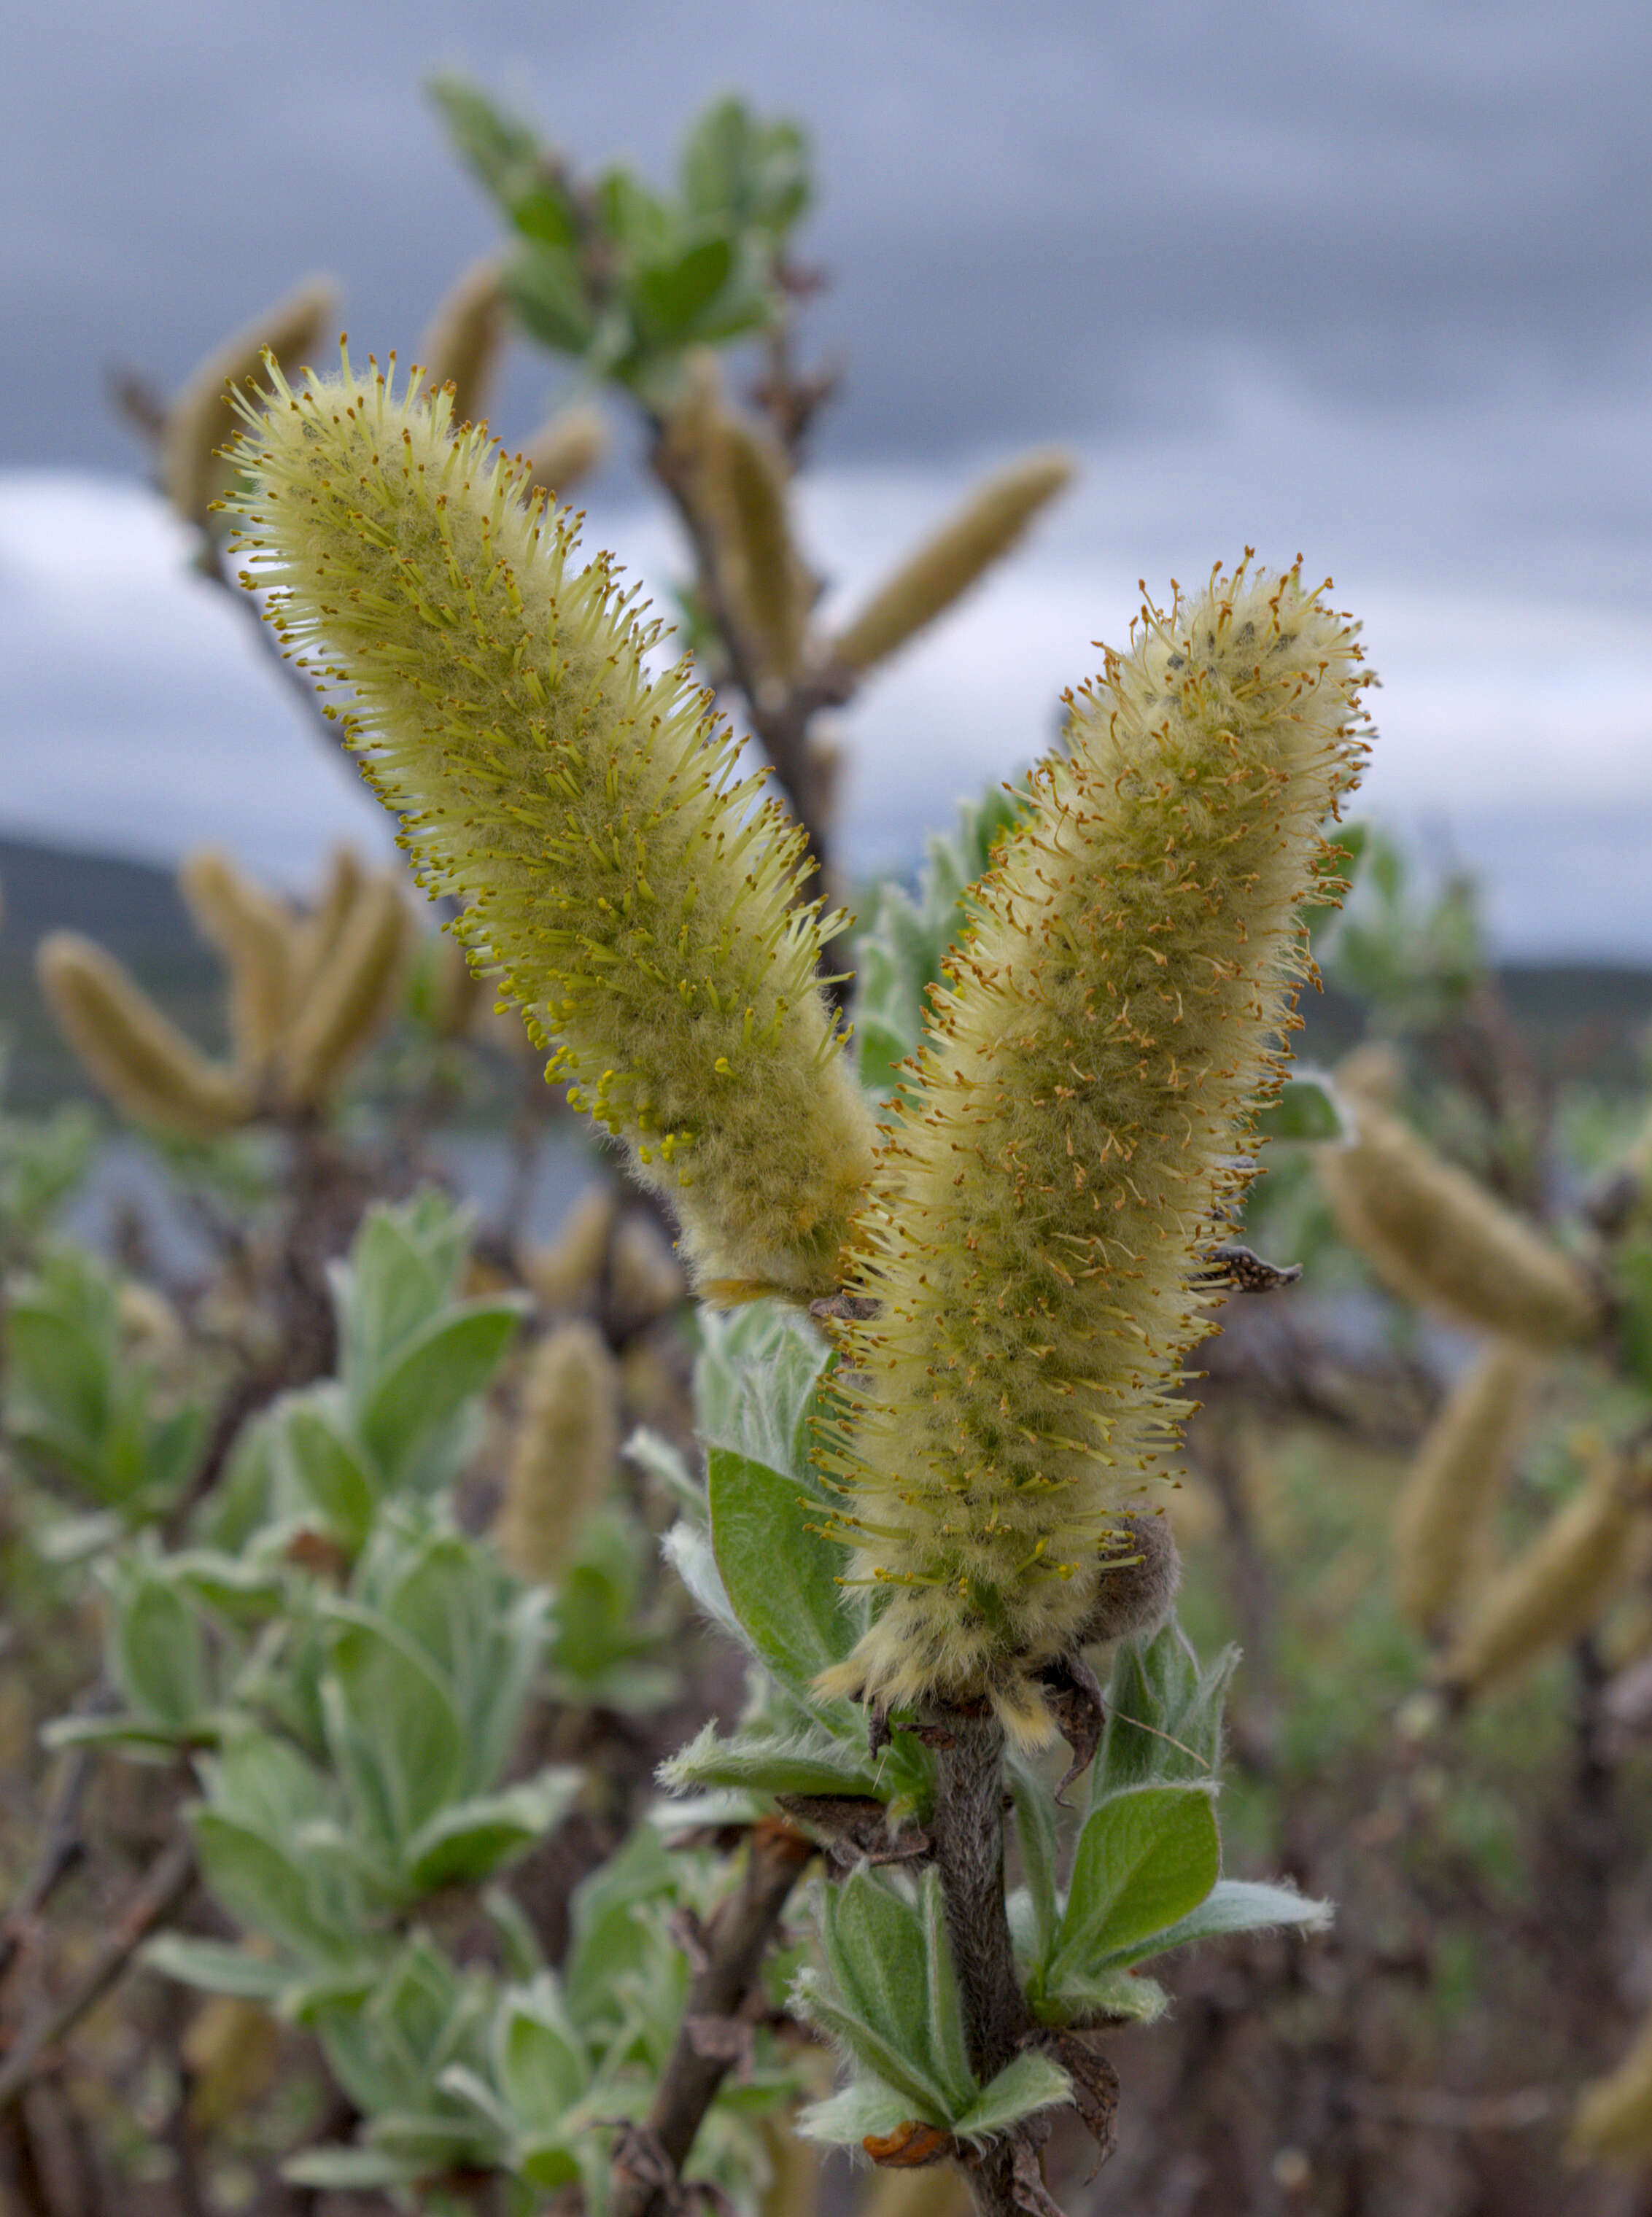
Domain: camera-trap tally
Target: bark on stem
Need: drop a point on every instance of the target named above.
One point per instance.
(968, 1834)
(736, 1942)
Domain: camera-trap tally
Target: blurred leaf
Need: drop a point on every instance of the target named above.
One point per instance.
(547, 296)
(437, 1370)
(472, 1839)
(1307, 1109)
(671, 292)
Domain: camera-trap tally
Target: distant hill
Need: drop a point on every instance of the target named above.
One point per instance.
(131, 908)
(1576, 1019)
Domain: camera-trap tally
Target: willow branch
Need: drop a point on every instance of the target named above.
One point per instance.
(164, 1886)
(646, 2164)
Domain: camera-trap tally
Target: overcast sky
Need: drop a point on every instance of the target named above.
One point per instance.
(1373, 283)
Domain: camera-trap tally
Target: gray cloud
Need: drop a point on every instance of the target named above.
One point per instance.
(1075, 222)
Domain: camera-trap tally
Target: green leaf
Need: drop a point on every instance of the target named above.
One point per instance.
(756, 1387)
(329, 1468)
(1164, 1714)
(1035, 1819)
(263, 1888)
(539, 2059)
(1031, 2083)
(870, 2046)
(1234, 1905)
(392, 1726)
(344, 2169)
(779, 1572)
(215, 1969)
(866, 2106)
(904, 951)
(158, 1652)
(1144, 1859)
(873, 1936)
(763, 1762)
(672, 293)
(547, 295)
(420, 1394)
(1308, 1110)
(472, 1839)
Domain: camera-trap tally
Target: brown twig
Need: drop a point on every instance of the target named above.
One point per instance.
(649, 2159)
(60, 1849)
(164, 1886)
(968, 1834)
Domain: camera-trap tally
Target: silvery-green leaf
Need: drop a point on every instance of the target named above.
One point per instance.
(864, 2108)
(1144, 1859)
(1031, 2083)
(779, 1572)
(1233, 1905)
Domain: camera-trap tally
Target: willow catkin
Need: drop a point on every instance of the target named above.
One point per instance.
(764, 578)
(253, 932)
(458, 993)
(135, 1052)
(1613, 2118)
(1437, 1238)
(353, 998)
(315, 935)
(646, 1280)
(201, 420)
(640, 904)
(463, 344)
(1443, 1518)
(232, 2048)
(564, 1453)
(566, 1274)
(1062, 1156)
(565, 449)
(989, 523)
(1561, 1586)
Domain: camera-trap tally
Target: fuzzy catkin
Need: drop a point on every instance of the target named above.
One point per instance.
(353, 997)
(1437, 1238)
(564, 1453)
(137, 1054)
(200, 421)
(937, 573)
(639, 902)
(1444, 1513)
(462, 346)
(1614, 2117)
(567, 1273)
(565, 449)
(316, 937)
(763, 574)
(253, 934)
(1061, 1156)
(1560, 1587)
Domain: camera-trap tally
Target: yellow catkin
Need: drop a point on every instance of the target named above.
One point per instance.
(985, 528)
(648, 1279)
(564, 1274)
(1443, 1517)
(353, 998)
(764, 578)
(563, 1455)
(199, 420)
(1437, 1238)
(463, 345)
(1065, 1150)
(137, 1054)
(1613, 2121)
(231, 2047)
(565, 450)
(940, 2191)
(640, 901)
(254, 934)
(458, 995)
(1560, 1587)
(315, 936)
